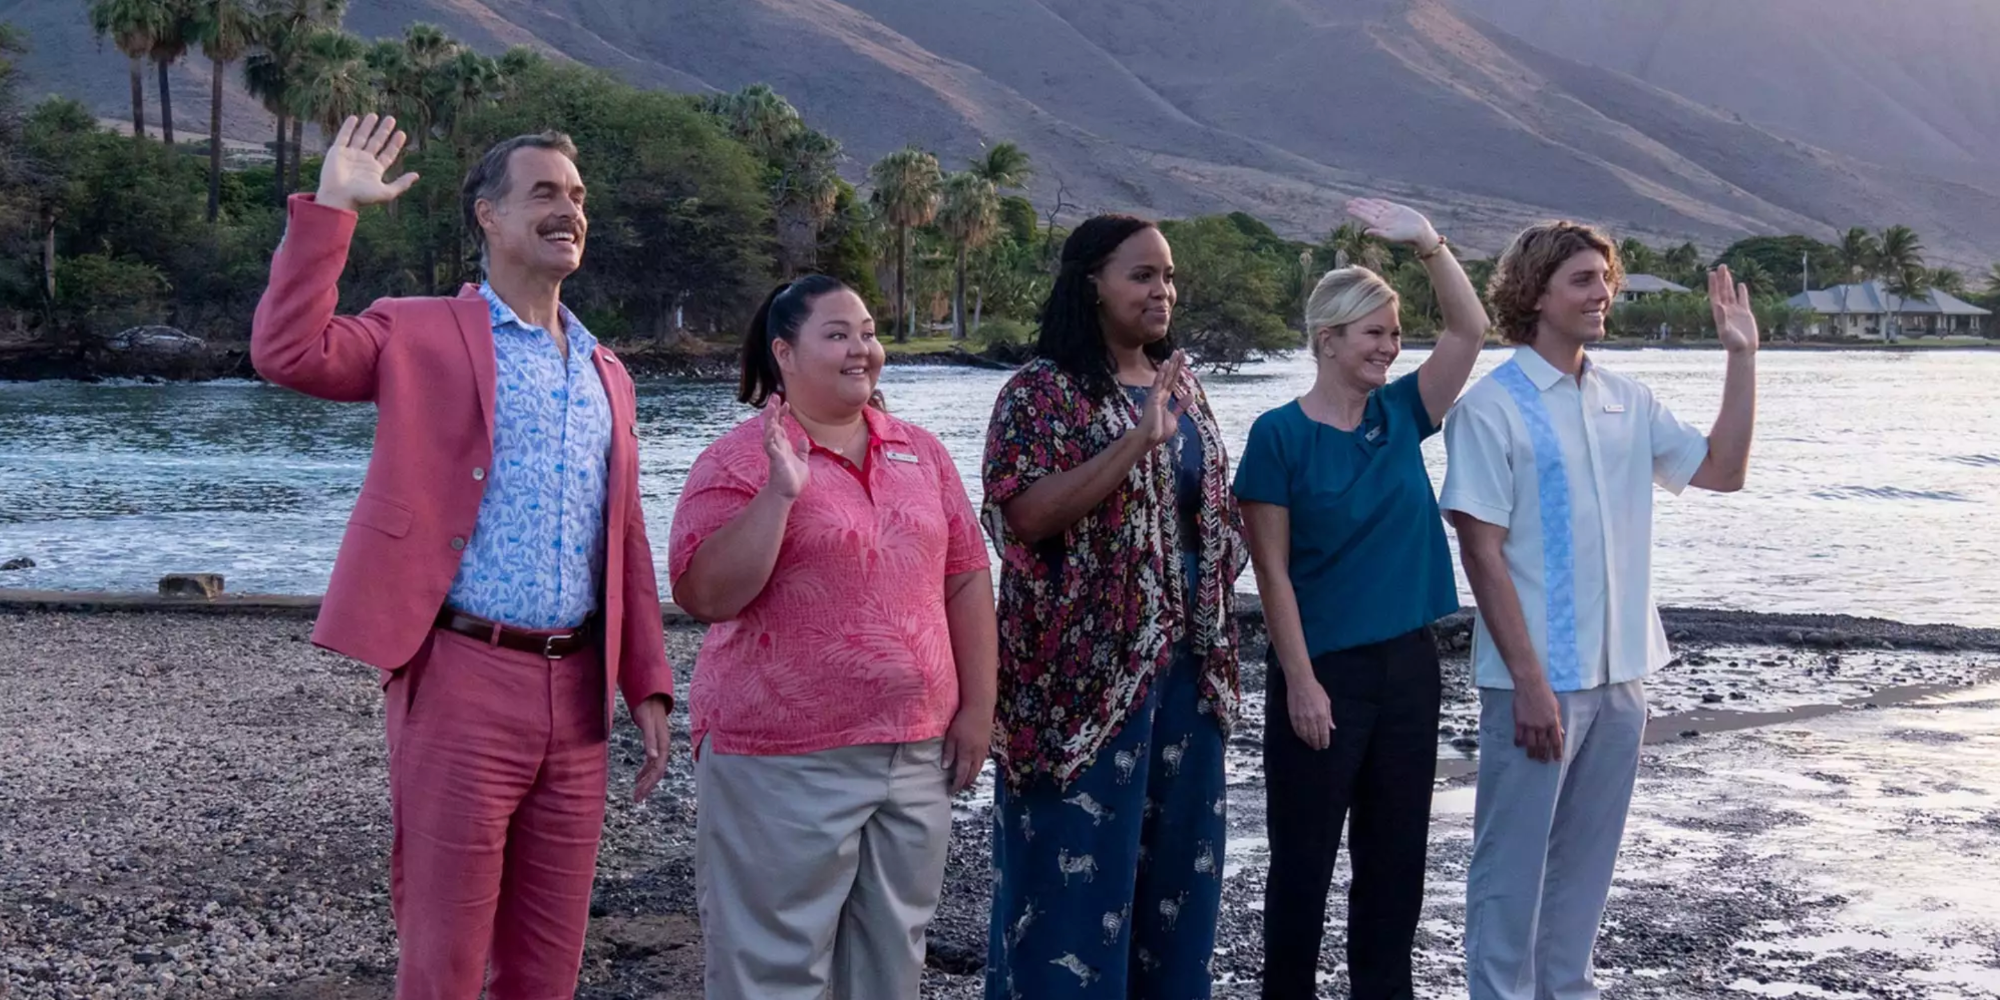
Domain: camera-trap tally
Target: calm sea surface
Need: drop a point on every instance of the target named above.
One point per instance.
(1875, 487)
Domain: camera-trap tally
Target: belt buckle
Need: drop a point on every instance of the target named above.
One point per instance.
(549, 645)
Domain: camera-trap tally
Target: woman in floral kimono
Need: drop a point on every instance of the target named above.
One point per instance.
(1107, 494)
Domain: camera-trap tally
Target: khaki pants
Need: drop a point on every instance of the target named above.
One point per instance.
(1545, 840)
(819, 870)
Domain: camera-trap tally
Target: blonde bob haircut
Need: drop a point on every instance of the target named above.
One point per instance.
(1344, 296)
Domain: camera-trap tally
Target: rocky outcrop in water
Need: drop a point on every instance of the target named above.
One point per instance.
(202, 586)
(147, 352)
(155, 341)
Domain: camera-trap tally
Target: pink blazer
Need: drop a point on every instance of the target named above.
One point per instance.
(427, 364)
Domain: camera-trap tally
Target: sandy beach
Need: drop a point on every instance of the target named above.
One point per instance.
(196, 806)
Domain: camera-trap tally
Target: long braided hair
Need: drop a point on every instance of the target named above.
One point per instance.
(1072, 335)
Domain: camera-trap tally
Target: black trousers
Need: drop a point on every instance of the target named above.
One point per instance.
(1376, 775)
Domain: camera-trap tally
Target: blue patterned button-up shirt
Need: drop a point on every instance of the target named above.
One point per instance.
(536, 556)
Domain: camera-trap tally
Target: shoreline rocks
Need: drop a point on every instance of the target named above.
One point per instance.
(1685, 626)
(195, 804)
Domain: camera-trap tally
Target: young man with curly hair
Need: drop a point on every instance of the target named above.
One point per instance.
(1553, 460)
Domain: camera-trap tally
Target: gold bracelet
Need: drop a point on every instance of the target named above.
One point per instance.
(1434, 251)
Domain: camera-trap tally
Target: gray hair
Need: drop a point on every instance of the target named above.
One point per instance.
(1344, 296)
(488, 181)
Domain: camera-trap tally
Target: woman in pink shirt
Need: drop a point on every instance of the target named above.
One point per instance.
(845, 689)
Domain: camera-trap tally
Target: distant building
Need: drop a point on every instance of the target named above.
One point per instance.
(1864, 311)
(1645, 286)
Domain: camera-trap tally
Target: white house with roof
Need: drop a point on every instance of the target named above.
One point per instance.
(1870, 310)
(1646, 286)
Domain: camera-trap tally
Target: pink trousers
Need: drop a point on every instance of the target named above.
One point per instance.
(497, 764)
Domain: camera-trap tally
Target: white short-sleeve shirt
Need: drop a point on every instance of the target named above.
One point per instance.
(1568, 467)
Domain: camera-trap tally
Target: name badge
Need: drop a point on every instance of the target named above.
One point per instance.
(900, 456)
(1614, 407)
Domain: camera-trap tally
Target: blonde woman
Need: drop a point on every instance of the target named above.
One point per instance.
(1353, 567)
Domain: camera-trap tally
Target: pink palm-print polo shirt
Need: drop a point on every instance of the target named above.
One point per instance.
(848, 643)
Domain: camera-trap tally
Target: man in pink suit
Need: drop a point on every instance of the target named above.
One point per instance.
(495, 568)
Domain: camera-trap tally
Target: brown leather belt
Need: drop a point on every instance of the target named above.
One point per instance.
(553, 645)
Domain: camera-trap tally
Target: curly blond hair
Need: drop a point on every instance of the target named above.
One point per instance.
(1525, 270)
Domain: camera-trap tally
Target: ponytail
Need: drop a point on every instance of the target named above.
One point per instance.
(779, 318)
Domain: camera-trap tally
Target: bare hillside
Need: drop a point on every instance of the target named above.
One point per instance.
(1913, 82)
(1277, 107)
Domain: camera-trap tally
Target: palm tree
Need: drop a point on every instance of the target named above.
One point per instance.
(1682, 264)
(409, 71)
(468, 82)
(264, 77)
(1901, 261)
(760, 117)
(1750, 272)
(1005, 166)
(803, 195)
(402, 88)
(171, 43)
(969, 214)
(1859, 254)
(413, 78)
(1637, 257)
(131, 25)
(906, 195)
(1353, 247)
(463, 84)
(334, 80)
(515, 65)
(804, 163)
(272, 74)
(1416, 295)
(425, 55)
(1904, 286)
(224, 28)
(1948, 280)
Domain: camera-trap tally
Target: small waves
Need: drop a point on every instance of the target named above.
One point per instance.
(1888, 493)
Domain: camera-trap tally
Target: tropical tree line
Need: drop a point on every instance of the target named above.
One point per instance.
(1787, 265)
(1779, 267)
(699, 204)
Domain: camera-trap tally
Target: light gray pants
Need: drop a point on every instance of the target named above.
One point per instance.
(1544, 842)
(819, 870)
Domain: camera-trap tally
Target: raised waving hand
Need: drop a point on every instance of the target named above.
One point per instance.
(789, 468)
(1393, 222)
(1160, 415)
(1735, 322)
(357, 162)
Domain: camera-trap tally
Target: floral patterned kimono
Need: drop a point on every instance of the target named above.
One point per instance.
(1118, 684)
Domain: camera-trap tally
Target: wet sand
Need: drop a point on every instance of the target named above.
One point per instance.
(196, 805)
